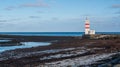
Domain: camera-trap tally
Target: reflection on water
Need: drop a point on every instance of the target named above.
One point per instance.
(25, 45)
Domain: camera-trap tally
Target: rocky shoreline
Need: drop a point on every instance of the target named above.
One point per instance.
(64, 51)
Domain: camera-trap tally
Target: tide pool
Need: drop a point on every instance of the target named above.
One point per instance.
(25, 45)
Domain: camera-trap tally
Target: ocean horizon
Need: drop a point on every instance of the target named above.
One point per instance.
(52, 33)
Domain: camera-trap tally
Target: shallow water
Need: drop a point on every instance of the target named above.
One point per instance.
(25, 45)
(5, 40)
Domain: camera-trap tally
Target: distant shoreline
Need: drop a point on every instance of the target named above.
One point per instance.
(53, 33)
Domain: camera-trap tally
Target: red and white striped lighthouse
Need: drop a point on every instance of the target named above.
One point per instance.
(87, 26)
(88, 31)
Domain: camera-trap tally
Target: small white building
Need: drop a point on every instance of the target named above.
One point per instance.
(92, 32)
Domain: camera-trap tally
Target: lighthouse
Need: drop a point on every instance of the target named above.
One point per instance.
(88, 31)
(87, 26)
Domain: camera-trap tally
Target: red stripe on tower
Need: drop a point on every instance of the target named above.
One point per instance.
(87, 24)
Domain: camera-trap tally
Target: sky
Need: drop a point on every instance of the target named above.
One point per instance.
(59, 15)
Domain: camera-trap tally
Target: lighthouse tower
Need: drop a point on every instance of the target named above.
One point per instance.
(88, 31)
(87, 26)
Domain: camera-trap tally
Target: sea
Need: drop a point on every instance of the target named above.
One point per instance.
(52, 33)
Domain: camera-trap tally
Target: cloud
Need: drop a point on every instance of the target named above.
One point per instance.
(40, 12)
(38, 3)
(15, 19)
(9, 20)
(55, 18)
(10, 8)
(3, 20)
(116, 6)
(117, 12)
(34, 17)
